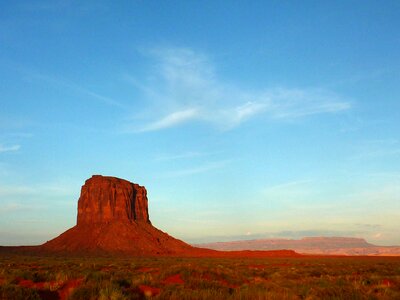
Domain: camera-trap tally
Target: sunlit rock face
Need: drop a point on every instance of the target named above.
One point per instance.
(113, 218)
(104, 199)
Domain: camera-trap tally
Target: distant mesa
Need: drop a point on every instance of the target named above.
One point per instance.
(113, 218)
(310, 245)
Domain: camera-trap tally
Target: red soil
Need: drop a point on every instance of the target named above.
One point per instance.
(68, 288)
(174, 279)
(387, 282)
(259, 279)
(45, 288)
(149, 291)
(32, 285)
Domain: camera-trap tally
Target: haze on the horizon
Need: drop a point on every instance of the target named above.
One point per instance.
(242, 119)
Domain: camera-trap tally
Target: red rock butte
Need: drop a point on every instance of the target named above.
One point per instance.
(105, 199)
(113, 218)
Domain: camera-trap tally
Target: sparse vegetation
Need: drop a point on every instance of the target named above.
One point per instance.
(24, 277)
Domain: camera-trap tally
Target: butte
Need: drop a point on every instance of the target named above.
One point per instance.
(113, 218)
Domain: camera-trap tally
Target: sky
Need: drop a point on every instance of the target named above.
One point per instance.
(243, 119)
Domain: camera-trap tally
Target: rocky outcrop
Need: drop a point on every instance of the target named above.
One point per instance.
(113, 217)
(105, 199)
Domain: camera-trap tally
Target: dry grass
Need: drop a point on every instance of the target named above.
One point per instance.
(25, 277)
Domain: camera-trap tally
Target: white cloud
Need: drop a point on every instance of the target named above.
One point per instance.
(12, 148)
(296, 103)
(233, 117)
(183, 86)
(172, 119)
(249, 109)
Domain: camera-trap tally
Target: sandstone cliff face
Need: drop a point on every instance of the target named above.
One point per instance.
(104, 199)
(113, 218)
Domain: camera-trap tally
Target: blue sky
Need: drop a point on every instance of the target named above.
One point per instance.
(242, 119)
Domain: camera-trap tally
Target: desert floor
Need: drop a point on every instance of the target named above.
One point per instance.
(30, 277)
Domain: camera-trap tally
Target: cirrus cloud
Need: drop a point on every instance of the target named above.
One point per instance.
(11, 148)
(183, 86)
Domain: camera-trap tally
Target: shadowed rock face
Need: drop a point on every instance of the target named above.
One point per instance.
(104, 199)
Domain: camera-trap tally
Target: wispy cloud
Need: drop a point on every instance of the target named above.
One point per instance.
(172, 119)
(183, 86)
(377, 149)
(295, 103)
(290, 184)
(289, 191)
(232, 117)
(11, 148)
(56, 80)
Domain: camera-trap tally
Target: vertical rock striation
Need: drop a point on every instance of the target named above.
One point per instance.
(113, 217)
(104, 199)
